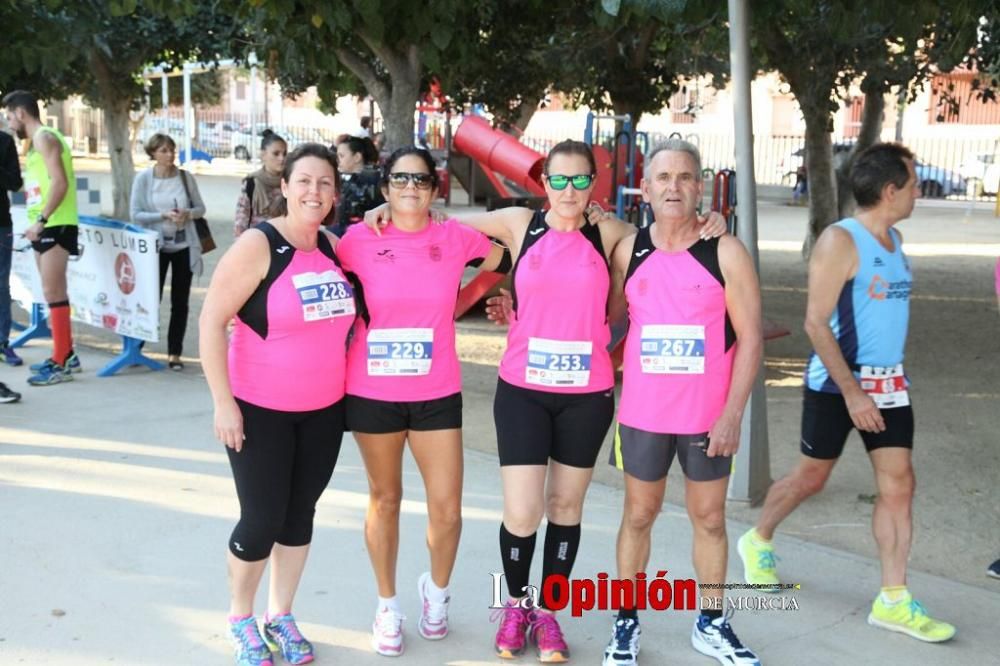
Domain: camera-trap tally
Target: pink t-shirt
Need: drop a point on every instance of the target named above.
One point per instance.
(679, 349)
(287, 350)
(558, 338)
(403, 349)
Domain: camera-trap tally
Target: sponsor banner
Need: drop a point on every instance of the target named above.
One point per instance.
(25, 282)
(113, 284)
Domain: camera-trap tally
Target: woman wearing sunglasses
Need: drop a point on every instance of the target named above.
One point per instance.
(554, 400)
(404, 380)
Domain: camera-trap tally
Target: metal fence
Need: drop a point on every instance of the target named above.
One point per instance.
(953, 168)
(962, 169)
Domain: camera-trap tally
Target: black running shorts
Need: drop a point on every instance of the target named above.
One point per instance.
(63, 235)
(533, 426)
(380, 417)
(826, 423)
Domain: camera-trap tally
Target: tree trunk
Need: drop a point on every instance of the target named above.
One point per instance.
(869, 134)
(819, 168)
(529, 104)
(116, 124)
(398, 98)
(399, 110)
(625, 107)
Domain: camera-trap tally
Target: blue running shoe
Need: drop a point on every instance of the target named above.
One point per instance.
(251, 650)
(623, 648)
(50, 373)
(8, 355)
(72, 363)
(282, 635)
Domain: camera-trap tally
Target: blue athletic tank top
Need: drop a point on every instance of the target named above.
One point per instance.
(873, 310)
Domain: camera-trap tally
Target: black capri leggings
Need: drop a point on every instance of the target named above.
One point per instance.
(286, 462)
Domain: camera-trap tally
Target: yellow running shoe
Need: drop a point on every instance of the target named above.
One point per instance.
(759, 562)
(908, 616)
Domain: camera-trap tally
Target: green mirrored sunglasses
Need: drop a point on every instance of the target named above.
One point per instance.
(580, 181)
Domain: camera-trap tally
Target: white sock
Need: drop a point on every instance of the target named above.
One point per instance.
(391, 603)
(434, 593)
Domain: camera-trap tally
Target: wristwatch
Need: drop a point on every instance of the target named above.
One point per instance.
(41, 219)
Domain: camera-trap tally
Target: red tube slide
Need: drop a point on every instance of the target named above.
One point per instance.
(502, 153)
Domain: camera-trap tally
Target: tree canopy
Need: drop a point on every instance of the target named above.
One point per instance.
(99, 50)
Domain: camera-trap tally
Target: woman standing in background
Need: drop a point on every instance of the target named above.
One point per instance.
(263, 187)
(166, 198)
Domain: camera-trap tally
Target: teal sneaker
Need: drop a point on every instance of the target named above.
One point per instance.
(72, 363)
(251, 650)
(50, 373)
(282, 635)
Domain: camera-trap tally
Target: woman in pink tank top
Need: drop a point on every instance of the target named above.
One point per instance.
(278, 392)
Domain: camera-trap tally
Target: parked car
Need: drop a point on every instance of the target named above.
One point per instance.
(936, 182)
(215, 137)
(985, 168)
(243, 143)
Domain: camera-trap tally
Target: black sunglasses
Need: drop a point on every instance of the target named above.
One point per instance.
(400, 179)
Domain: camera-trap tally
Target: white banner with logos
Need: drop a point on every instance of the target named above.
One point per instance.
(113, 284)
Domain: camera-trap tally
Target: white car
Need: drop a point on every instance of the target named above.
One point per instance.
(984, 167)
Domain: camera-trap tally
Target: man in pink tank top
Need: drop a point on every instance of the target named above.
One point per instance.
(693, 349)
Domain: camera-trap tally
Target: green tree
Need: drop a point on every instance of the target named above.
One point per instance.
(104, 48)
(624, 57)
(631, 53)
(384, 47)
(820, 47)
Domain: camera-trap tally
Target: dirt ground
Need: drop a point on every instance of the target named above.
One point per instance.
(952, 359)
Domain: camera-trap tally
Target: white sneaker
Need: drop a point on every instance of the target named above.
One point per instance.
(715, 638)
(433, 623)
(623, 648)
(387, 632)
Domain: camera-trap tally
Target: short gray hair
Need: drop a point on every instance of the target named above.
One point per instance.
(678, 145)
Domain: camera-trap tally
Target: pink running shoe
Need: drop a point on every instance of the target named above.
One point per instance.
(509, 642)
(548, 638)
(433, 623)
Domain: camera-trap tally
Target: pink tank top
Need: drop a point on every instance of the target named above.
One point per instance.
(288, 347)
(403, 348)
(680, 343)
(558, 339)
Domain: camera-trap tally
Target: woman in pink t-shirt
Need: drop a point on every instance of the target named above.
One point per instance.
(404, 382)
(278, 389)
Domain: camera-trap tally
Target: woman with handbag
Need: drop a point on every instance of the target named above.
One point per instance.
(166, 198)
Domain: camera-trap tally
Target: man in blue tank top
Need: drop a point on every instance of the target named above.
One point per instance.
(856, 318)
